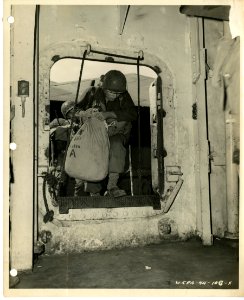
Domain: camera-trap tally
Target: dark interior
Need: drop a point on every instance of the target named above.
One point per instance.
(144, 168)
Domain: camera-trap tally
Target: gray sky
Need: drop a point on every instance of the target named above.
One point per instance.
(69, 69)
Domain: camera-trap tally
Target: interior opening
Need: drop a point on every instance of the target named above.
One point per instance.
(64, 76)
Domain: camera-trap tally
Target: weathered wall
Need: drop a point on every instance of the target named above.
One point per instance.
(214, 30)
(21, 198)
(163, 34)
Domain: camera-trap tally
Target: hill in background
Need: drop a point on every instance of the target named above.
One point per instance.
(67, 90)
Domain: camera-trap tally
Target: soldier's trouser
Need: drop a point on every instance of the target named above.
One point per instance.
(116, 165)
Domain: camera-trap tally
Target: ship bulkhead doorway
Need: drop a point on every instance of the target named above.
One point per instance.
(138, 177)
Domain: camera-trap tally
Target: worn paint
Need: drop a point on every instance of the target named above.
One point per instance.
(214, 30)
(65, 31)
(21, 205)
(135, 38)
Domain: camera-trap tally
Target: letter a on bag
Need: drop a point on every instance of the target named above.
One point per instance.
(89, 161)
(72, 153)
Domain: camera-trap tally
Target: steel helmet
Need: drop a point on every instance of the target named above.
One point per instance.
(114, 81)
(66, 107)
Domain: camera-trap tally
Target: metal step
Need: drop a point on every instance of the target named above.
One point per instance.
(66, 203)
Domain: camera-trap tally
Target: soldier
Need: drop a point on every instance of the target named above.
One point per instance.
(115, 104)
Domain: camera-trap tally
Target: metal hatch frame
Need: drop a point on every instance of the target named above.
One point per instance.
(65, 203)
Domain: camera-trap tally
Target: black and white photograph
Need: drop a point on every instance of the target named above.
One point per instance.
(122, 141)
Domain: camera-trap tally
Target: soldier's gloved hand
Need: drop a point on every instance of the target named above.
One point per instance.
(98, 115)
(84, 115)
(112, 127)
(111, 121)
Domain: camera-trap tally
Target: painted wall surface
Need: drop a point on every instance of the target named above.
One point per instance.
(214, 31)
(21, 198)
(163, 35)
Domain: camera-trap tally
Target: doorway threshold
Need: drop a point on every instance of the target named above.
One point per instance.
(83, 202)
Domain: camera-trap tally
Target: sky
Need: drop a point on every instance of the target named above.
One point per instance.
(68, 70)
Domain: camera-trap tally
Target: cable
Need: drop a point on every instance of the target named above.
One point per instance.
(139, 125)
(72, 120)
